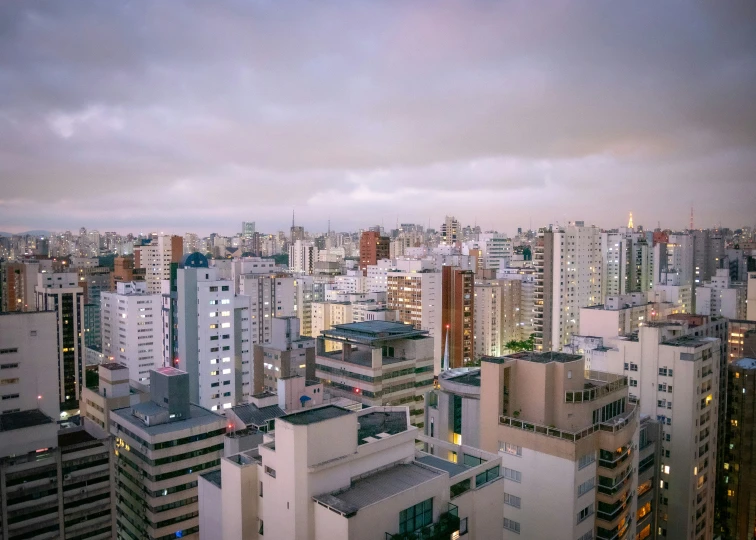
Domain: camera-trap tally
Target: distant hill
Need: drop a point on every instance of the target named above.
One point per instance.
(27, 233)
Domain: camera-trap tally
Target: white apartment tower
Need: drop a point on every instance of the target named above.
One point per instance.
(156, 256)
(207, 341)
(60, 292)
(568, 265)
(269, 296)
(720, 297)
(131, 328)
(302, 257)
(497, 250)
(627, 263)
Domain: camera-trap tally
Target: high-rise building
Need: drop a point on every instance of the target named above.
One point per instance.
(248, 229)
(60, 292)
(161, 448)
(386, 363)
(156, 256)
(674, 271)
(17, 282)
(373, 248)
(288, 354)
(627, 263)
(496, 250)
(487, 337)
(302, 257)
(131, 329)
(416, 296)
(114, 390)
(55, 484)
(457, 315)
(741, 340)
(207, 337)
(568, 264)
(737, 502)
(675, 377)
(328, 473)
(751, 297)
(720, 297)
(570, 440)
(450, 231)
(269, 296)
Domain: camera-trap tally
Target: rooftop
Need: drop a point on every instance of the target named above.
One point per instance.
(689, 341)
(745, 363)
(251, 415)
(213, 477)
(372, 332)
(170, 371)
(379, 424)
(377, 487)
(198, 417)
(470, 377)
(538, 357)
(452, 468)
(23, 419)
(74, 437)
(113, 366)
(313, 416)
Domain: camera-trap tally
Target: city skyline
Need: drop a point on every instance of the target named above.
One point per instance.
(501, 114)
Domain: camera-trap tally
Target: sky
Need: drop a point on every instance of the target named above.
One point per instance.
(195, 116)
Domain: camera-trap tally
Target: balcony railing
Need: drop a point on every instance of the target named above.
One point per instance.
(443, 529)
(616, 424)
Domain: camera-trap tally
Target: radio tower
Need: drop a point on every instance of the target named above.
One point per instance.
(691, 218)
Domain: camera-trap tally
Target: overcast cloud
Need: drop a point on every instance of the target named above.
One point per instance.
(194, 116)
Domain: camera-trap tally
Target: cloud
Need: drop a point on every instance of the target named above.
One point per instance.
(359, 110)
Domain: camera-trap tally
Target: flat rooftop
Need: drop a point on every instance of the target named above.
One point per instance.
(689, 341)
(113, 366)
(23, 419)
(377, 487)
(198, 417)
(545, 357)
(379, 424)
(745, 363)
(370, 332)
(170, 371)
(213, 477)
(313, 416)
(470, 377)
(439, 463)
(74, 437)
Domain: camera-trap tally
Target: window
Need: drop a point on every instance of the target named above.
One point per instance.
(463, 526)
(261, 488)
(510, 448)
(416, 517)
(586, 460)
(587, 536)
(260, 528)
(585, 512)
(586, 486)
(270, 472)
(511, 474)
(511, 525)
(224, 288)
(511, 500)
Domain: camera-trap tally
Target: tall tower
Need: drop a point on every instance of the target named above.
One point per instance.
(691, 218)
(630, 222)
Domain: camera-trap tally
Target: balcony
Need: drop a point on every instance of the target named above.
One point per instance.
(443, 529)
(615, 425)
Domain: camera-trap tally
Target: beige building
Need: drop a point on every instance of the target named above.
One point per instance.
(577, 463)
(380, 363)
(114, 391)
(288, 354)
(751, 297)
(333, 474)
(155, 257)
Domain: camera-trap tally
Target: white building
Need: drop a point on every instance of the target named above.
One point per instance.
(207, 338)
(751, 300)
(329, 473)
(627, 263)
(287, 354)
(59, 292)
(302, 257)
(270, 296)
(568, 265)
(721, 298)
(496, 250)
(155, 257)
(676, 380)
(131, 328)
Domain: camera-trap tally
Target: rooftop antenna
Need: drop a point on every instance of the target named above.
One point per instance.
(691, 218)
(292, 218)
(630, 222)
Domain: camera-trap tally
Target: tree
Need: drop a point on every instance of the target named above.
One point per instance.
(525, 345)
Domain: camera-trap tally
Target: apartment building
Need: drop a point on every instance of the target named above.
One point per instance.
(329, 473)
(380, 363)
(60, 292)
(675, 377)
(568, 264)
(577, 461)
(131, 326)
(373, 248)
(417, 297)
(115, 390)
(161, 447)
(721, 297)
(458, 315)
(739, 497)
(627, 262)
(155, 257)
(302, 257)
(208, 340)
(288, 354)
(270, 296)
